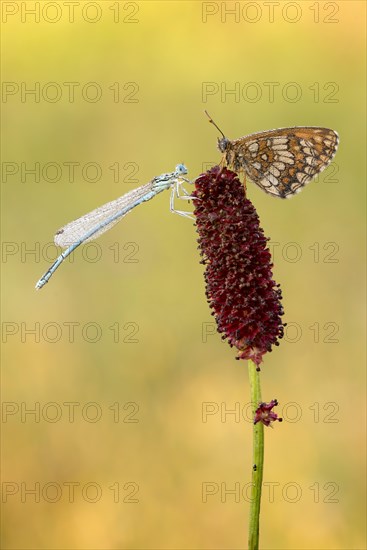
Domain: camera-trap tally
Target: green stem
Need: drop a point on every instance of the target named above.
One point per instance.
(258, 460)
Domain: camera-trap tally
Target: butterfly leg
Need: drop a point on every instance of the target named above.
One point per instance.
(244, 182)
(223, 162)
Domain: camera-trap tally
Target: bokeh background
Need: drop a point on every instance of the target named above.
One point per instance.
(140, 435)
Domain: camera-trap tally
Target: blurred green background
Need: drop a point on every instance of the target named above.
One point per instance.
(132, 443)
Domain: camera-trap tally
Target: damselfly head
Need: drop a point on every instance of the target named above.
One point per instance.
(180, 170)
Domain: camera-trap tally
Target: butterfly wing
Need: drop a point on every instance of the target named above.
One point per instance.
(282, 161)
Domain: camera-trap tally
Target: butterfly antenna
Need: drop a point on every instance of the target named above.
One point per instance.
(212, 122)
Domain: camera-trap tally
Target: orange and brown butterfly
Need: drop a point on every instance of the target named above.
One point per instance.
(280, 161)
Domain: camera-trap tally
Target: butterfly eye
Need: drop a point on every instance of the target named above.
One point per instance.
(223, 144)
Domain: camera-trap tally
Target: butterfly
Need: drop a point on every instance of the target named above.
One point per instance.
(280, 161)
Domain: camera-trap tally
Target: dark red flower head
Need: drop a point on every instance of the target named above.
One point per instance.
(239, 286)
(265, 414)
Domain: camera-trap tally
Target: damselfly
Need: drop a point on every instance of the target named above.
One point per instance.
(92, 225)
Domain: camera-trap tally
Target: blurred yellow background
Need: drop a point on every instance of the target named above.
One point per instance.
(132, 443)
